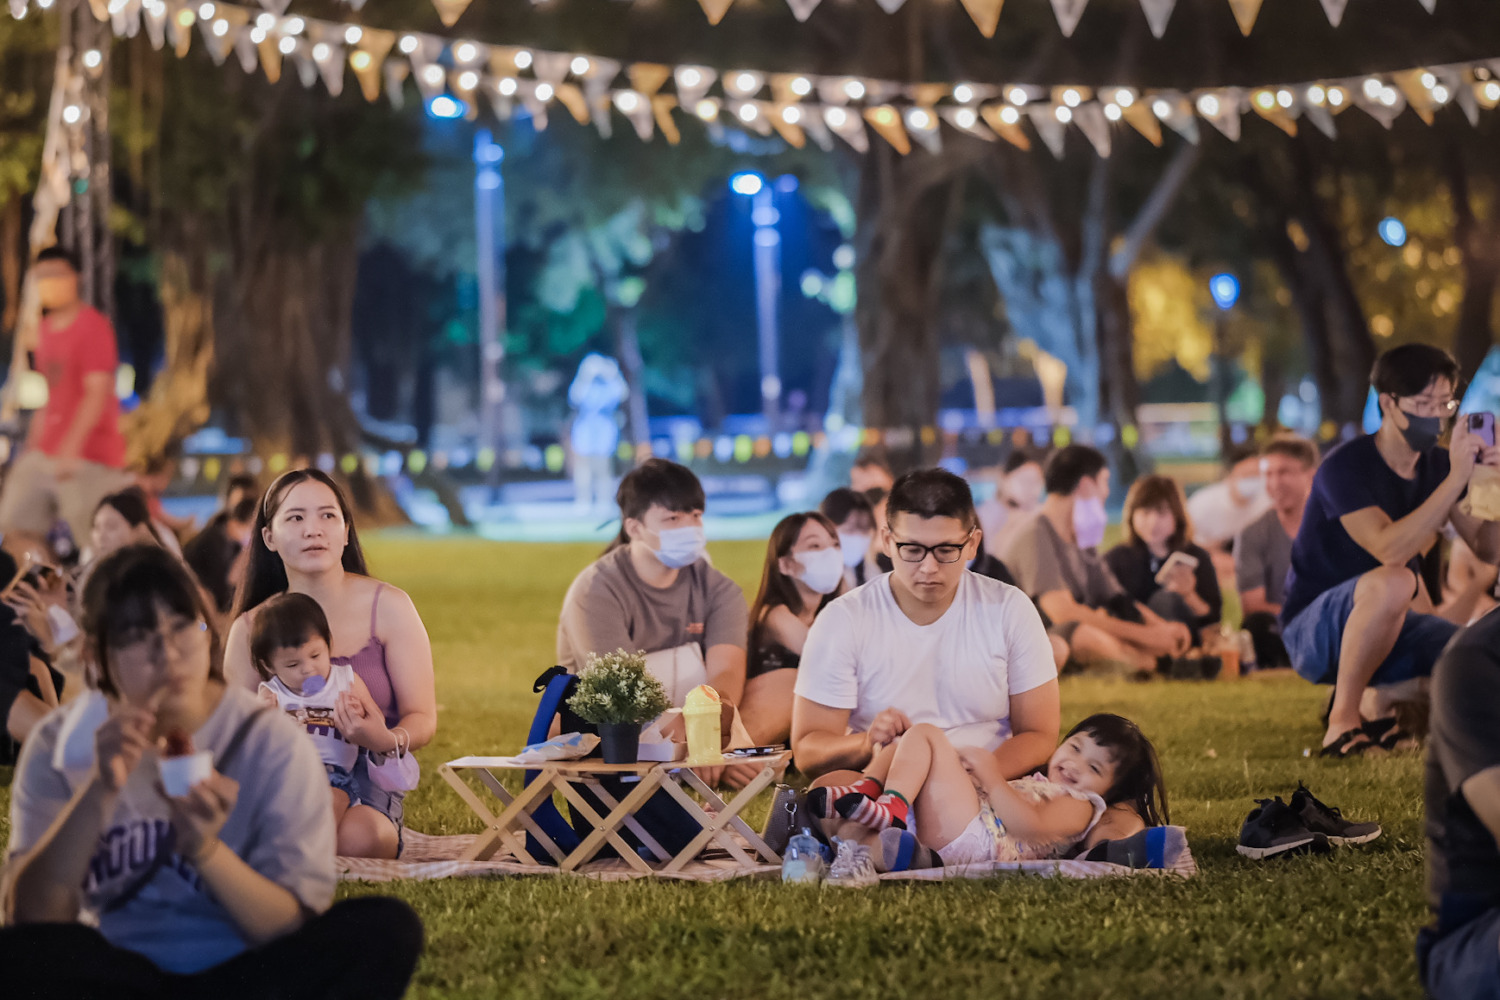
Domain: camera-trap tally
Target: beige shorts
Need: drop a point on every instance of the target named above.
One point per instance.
(33, 498)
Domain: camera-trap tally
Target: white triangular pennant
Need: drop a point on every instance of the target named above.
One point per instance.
(395, 71)
(244, 48)
(1179, 118)
(1053, 132)
(156, 25)
(425, 68)
(1429, 5)
(1321, 119)
(331, 65)
(1335, 10)
(1464, 97)
(1158, 13)
(551, 67)
(967, 120)
(1095, 127)
(802, 9)
(1068, 12)
(218, 45)
(18, 9)
(817, 129)
(596, 81)
(307, 69)
(922, 125)
(692, 83)
(890, 6)
(277, 7)
(1226, 113)
(848, 126)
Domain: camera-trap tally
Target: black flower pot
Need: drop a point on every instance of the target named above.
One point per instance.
(620, 742)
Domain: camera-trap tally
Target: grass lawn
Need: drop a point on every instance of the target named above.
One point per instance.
(1338, 926)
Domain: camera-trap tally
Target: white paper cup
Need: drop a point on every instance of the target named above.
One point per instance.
(180, 774)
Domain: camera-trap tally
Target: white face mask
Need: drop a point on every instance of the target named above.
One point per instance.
(822, 570)
(1247, 487)
(681, 547)
(855, 547)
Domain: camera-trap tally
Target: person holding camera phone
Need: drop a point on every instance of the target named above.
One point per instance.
(1158, 565)
(1356, 614)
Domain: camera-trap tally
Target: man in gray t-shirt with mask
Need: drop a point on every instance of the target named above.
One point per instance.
(654, 590)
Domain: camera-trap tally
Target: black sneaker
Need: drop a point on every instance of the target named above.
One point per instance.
(1273, 829)
(1328, 821)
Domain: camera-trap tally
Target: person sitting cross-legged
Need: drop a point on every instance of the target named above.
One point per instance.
(1356, 614)
(1054, 559)
(929, 642)
(1263, 550)
(1156, 528)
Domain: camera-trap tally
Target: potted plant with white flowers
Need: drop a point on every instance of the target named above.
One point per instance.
(617, 693)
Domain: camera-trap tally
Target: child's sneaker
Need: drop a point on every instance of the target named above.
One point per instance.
(853, 868)
(806, 860)
(1328, 821)
(1273, 829)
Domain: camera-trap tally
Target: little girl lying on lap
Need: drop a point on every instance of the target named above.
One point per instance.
(1105, 770)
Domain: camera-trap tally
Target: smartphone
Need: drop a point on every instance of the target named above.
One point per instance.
(765, 751)
(1173, 561)
(1482, 426)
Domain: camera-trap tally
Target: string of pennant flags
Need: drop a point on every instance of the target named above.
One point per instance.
(798, 107)
(985, 13)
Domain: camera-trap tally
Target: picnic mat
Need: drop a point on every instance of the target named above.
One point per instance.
(428, 857)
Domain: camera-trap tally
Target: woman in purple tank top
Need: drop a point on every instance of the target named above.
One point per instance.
(304, 541)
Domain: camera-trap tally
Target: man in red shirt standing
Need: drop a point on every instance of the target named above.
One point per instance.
(74, 452)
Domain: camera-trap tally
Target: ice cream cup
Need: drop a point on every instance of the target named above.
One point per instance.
(180, 774)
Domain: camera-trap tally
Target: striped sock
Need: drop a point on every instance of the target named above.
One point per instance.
(820, 801)
(890, 810)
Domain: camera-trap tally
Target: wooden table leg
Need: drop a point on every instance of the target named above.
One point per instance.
(606, 829)
(498, 829)
(714, 827)
(631, 823)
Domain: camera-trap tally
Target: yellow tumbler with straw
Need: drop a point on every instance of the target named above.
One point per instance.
(701, 714)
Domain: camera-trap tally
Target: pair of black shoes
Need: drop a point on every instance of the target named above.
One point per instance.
(1305, 826)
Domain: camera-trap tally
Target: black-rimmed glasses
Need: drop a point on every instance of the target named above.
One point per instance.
(944, 552)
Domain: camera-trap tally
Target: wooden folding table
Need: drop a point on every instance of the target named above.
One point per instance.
(505, 832)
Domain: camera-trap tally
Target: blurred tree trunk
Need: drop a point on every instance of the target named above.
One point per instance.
(1479, 241)
(905, 204)
(10, 262)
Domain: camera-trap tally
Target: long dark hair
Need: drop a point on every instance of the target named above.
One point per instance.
(265, 575)
(122, 593)
(776, 588)
(1138, 778)
(1150, 492)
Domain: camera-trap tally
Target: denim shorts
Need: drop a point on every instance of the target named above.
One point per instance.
(364, 792)
(1314, 637)
(1463, 964)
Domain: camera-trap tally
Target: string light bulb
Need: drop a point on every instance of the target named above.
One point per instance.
(1316, 95)
(544, 92)
(689, 77)
(506, 86)
(1208, 105)
(748, 113)
(1124, 97)
(627, 101)
(353, 34)
(707, 109)
(287, 45)
(72, 114)
(206, 11)
(580, 65)
(919, 119)
(257, 34)
(854, 90)
(1112, 112)
(432, 74)
(1009, 115)
(360, 60)
(791, 114)
(265, 22)
(965, 118)
(522, 58)
(1373, 87)
(221, 28)
(1284, 98)
(1440, 94)
(836, 117)
(1161, 109)
(321, 51)
(1064, 114)
(801, 86)
(1017, 96)
(292, 26)
(93, 59)
(1492, 91)
(1265, 100)
(1337, 97)
(963, 93)
(409, 44)
(746, 83)
(1428, 80)
(1072, 98)
(468, 80)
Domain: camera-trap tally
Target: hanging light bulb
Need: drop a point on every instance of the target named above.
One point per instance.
(353, 34)
(1316, 95)
(257, 34)
(1064, 113)
(791, 114)
(468, 80)
(748, 113)
(1284, 98)
(1072, 98)
(801, 86)
(919, 119)
(966, 118)
(320, 51)
(963, 93)
(707, 109)
(409, 44)
(1113, 112)
(265, 22)
(287, 45)
(292, 26)
(854, 90)
(1208, 105)
(1161, 109)
(522, 59)
(1373, 87)
(836, 117)
(507, 86)
(1017, 96)
(627, 101)
(580, 65)
(93, 59)
(1124, 97)
(544, 92)
(1009, 115)
(465, 52)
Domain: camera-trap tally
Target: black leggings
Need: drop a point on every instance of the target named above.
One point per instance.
(361, 949)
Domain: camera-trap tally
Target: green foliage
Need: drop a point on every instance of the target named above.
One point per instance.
(26, 61)
(616, 687)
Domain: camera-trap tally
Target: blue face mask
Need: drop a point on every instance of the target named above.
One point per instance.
(679, 547)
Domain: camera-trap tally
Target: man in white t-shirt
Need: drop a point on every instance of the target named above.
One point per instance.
(929, 642)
